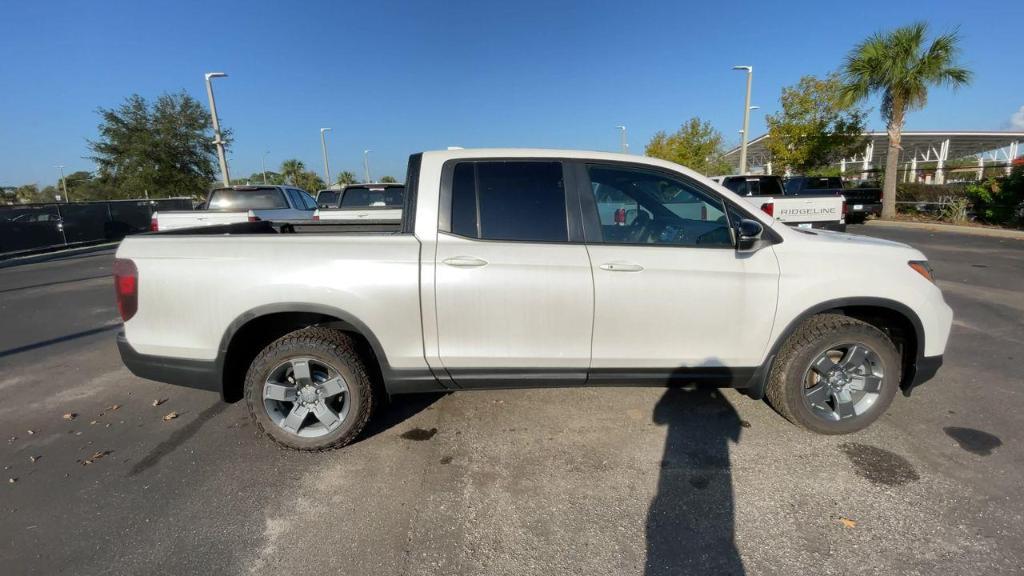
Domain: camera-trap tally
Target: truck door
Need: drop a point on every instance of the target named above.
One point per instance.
(514, 293)
(673, 300)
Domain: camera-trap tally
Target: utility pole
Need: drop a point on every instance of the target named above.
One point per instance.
(216, 127)
(323, 147)
(623, 144)
(366, 166)
(746, 118)
(63, 183)
(263, 165)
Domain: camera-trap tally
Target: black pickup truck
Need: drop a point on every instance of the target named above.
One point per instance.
(859, 201)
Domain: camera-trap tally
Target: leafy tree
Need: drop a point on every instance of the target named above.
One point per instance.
(292, 170)
(388, 179)
(29, 193)
(310, 182)
(815, 129)
(901, 68)
(163, 149)
(696, 145)
(346, 178)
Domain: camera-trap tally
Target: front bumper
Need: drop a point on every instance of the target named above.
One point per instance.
(201, 374)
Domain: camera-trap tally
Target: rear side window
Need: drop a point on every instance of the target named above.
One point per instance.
(392, 196)
(522, 201)
(327, 199)
(258, 199)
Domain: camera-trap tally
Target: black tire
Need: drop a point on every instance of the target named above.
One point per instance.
(332, 347)
(816, 335)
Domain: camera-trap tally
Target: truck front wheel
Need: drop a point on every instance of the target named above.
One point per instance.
(834, 375)
(309, 390)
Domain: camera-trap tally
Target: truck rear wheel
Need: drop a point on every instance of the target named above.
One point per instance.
(309, 390)
(834, 375)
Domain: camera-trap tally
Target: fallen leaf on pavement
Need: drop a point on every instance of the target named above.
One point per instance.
(70, 416)
(171, 416)
(33, 458)
(91, 423)
(12, 480)
(159, 401)
(848, 523)
(95, 456)
(31, 432)
(114, 407)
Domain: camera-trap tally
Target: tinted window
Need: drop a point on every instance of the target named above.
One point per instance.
(509, 201)
(757, 186)
(823, 183)
(308, 201)
(258, 199)
(636, 206)
(328, 198)
(392, 196)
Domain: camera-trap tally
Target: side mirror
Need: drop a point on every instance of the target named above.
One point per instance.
(748, 235)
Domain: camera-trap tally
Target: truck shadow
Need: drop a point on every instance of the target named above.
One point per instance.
(690, 524)
(397, 410)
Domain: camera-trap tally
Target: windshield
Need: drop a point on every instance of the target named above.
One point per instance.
(327, 198)
(366, 197)
(253, 199)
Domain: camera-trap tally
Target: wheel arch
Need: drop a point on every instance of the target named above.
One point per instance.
(254, 329)
(895, 319)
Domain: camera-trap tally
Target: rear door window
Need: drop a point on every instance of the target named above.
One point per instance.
(516, 200)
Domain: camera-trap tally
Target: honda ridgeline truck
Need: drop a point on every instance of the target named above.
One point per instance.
(531, 268)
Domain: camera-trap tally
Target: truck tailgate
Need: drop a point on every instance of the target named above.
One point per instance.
(176, 220)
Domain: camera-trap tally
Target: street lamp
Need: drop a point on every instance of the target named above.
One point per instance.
(366, 165)
(263, 165)
(746, 118)
(216, 127)
(323, 147)
(63, 182)
(622, 139)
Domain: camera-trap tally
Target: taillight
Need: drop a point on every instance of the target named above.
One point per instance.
(768, 208)
(126, 287)
(846, 208)
(316, 217)
(154, 226)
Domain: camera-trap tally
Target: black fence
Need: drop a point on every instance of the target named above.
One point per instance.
(36, 227)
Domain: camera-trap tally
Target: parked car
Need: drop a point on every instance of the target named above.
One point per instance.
(328, 198)
(240, 204)
(521, 267)
(365, 202)
(766, 192)
(860, 200)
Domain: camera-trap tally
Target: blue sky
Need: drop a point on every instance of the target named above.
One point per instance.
(400, 77)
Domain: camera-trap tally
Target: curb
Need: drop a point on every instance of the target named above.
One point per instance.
(974, 230)
(56, 255)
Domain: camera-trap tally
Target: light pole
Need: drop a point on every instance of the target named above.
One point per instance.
(323, 146)
(746, 118)
(63, 182)
(263, 165)
(216, 127)
(623, 144)
(366, 165)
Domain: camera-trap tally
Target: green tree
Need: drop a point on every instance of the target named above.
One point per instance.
(160, 149)
(388, 179)
(696, 145)
(310, 182)
(815, 128)
(899, 66)
(346, 178)
(29, 193)
(292, 170)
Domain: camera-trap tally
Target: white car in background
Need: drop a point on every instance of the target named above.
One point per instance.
(379, 203)
(240, 204)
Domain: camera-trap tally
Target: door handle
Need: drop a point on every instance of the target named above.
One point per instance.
(621, 267)
(464, 261)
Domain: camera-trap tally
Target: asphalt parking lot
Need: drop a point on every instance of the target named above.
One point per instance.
(95, 480)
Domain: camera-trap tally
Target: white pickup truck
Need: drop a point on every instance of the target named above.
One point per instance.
(363, 203)
(767, 193)
(523, 267)
(240, 204)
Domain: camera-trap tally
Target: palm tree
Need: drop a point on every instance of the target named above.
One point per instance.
(346, 178)
(898, 65)
(292, 170)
